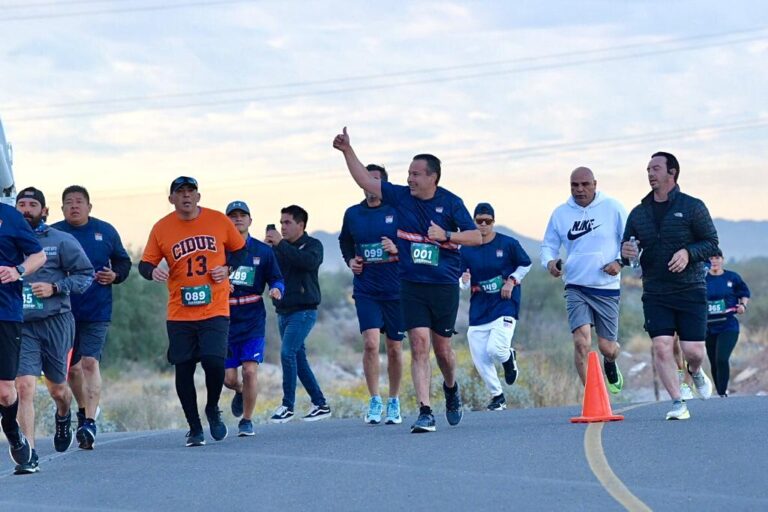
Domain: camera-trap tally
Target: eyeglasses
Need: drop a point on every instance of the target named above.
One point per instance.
(486, 222)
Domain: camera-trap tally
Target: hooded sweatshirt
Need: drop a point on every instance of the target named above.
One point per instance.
(591, 236)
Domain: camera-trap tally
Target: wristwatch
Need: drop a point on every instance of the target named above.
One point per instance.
(55, 289)
(20, 269)
(447, 236)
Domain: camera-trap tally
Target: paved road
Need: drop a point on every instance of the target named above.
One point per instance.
(530, 459)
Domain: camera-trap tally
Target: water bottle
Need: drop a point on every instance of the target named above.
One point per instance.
(634, 262)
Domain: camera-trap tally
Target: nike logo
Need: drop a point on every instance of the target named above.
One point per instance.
(581, 228)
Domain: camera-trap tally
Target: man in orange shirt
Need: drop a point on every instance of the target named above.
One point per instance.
(194, 242)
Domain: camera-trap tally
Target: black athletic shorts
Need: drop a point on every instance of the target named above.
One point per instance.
(684, 313)
(430, 305)
(190, 340)
(10, 348)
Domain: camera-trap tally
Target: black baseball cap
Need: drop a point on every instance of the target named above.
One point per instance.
(237, 205)
(484, 209)
(181, 181)
(31, 193)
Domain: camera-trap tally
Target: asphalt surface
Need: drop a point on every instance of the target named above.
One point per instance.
(531, 459)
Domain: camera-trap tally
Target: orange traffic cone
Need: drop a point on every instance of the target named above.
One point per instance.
(596, 406)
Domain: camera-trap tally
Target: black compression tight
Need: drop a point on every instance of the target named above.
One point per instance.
(9, 413)
(185, 385)
(719, 348)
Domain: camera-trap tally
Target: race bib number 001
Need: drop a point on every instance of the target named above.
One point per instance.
(373, 253)
(243, 276)
(716, 306)
(30, 302)
(492, 285)
(196, 295)
(425, 254)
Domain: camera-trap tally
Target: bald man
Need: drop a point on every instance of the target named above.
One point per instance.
(589, 226)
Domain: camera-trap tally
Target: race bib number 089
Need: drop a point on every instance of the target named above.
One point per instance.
(425, 254)
(243, 276)
(196, 295)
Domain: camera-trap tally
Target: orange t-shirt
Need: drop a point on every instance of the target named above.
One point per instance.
(192, 248)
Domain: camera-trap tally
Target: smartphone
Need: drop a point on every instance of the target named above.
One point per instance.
(271, 227)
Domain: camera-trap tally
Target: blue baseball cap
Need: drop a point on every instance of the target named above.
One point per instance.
(238, 205)
(484, 209)
(181, 181)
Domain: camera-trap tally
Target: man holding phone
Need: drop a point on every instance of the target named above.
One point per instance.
(589, 226)
(93, 309)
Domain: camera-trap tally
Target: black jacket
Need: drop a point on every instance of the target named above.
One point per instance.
(687, 224)
(300, 262)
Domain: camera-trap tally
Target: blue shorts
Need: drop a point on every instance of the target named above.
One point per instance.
(90, 338)
(240, 351)
(384, 315)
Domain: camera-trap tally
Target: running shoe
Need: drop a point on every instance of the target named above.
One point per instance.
(393, 412)
(375, 408)
(685, 389)
(245, 428)
(497, 403)
(87, 434)
(196, 437)
(237, 405)
(425, 421)
(217, 427)
(318, 412)
(702, 384)
(453, 410)
(281, 415)
(510, 367)
(27, 468)
(679, 411)
(18, 446)
(62, 438)
(78, 431)
(614, 376)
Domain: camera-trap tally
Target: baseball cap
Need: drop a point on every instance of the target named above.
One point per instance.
(181, 181)
(484, 209)
(237, 205)
(31, 193)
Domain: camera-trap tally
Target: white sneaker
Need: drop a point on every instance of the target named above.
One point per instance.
(282, 415)
(702, 384)
(685, 391)
(679, 411)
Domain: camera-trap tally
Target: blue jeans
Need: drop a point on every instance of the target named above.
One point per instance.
(294, 329)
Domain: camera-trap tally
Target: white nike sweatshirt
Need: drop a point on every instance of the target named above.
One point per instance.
(591, 236)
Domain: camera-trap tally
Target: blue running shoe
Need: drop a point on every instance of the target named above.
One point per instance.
(217, 427)
(425, 421)
(375, 408)
(453, 408)
(245, 428)
(237, 405)
(393, 412)
(88, 435)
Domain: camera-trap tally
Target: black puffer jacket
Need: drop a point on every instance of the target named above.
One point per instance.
(687, 224)
(299, 262)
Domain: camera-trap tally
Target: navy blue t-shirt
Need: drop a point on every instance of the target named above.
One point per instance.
(247, 319)
(360, 236)
(423, 260)
(490, 264)
(17, 241)
(724, 292)
(103, 246)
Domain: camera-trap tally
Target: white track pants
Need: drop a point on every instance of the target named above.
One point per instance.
(488, 344)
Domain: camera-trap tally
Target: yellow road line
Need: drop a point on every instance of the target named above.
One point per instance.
(593, 449)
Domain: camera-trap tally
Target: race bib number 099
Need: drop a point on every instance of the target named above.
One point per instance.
(425, 254)
(196, 295)
(373, 253)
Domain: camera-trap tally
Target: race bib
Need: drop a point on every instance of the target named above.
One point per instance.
(373, 253)
(196, 295)
(243, 276)
(425, 254)
(492, 285)
(716, 306)
(30, 302)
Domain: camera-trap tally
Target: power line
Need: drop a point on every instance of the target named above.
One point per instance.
(398, 74)
(146, 8)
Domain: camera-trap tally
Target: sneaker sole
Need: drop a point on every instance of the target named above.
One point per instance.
(280, 420)
(500, 408)
(246, 434)
(393, 421)
(220, 438)
(317, 418)
(370, 421)
(192, 445)
(685, 416)
(26, 471)
(422, 430)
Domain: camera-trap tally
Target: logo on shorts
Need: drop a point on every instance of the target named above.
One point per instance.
(98, 237)
(389, 219)
(256, 260)
(257, 354)
(439, 209)
(499, 253)
(678, 214)
(581, 228)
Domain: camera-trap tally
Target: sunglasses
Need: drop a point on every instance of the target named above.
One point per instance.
(486, 222)
(181, 181)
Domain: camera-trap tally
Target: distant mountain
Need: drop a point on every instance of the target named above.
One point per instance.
(739, 240)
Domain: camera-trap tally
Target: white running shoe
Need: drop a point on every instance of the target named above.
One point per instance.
(702, 384)
(679, 411)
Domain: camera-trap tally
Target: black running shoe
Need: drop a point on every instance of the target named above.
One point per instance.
(237, 405)
(196, 437)
(88, 435)
(453, 410)
(497, 403)
(425, 421)
(510, 367)
(18, 446)
(80, 423)
(317, 412)
(62, 439)
(28, 467)
(218, 428)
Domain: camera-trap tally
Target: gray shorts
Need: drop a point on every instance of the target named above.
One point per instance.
(45, 346)
(598, 310)
(90, 338)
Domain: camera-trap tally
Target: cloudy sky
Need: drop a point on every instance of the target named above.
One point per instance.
(246, 96)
